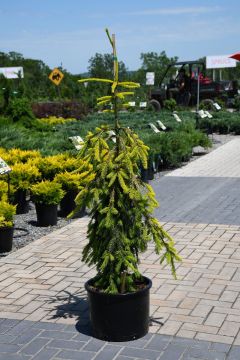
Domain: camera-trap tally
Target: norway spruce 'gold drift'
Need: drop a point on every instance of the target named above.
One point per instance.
(121, 204)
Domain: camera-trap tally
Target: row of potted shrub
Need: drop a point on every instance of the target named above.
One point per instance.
(48, 181)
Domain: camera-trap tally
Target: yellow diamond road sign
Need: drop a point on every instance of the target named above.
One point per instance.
(56, 76)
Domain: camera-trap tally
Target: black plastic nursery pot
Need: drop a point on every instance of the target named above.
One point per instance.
(119, 317)
(67, 204)
(21, 201)
(6, 239)
(144, 175)
(46, 214)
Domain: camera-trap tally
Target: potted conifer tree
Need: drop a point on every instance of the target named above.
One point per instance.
(121, 222)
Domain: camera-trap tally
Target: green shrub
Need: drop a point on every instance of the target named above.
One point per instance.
(237, 102)
(47, 192)
(170, 104)
(20, 108)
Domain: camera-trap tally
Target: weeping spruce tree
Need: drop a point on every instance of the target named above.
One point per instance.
(121, 205)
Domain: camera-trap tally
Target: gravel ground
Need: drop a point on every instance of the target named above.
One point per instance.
(26, 229)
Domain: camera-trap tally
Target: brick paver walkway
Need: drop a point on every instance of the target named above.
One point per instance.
(44, 310)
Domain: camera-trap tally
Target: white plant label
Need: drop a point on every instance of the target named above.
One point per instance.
(112, 135)
(176, 117)
(77, 141)
(4, 168)
(208, 114)
(202, 114)
(132, 103)
(161, 125)
(143, 104)
(217, 106)
(154, 128)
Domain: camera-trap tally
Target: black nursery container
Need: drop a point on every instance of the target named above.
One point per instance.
(46, 214)
(67, 204)
(119, 317)
(20, 199)
(6, 239)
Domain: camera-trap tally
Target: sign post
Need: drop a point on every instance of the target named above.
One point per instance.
(56, 76)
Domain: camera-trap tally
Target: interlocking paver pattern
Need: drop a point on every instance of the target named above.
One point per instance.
(43, 305)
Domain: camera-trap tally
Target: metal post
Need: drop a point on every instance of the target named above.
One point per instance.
(198, 97)
(8, 181)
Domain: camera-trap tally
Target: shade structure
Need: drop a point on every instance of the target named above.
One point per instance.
(235, 56)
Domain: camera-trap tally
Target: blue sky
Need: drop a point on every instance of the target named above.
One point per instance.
(71, 31)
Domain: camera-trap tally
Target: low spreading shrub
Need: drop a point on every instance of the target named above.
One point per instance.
(54, 120)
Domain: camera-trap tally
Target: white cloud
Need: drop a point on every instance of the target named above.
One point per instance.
(176, 11)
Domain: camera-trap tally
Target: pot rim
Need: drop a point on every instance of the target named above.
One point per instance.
(7, 227)
(90, 290)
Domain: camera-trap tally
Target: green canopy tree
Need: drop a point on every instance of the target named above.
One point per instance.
(156, 62)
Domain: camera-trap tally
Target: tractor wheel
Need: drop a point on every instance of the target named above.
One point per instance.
(207, 104)
(155, 104)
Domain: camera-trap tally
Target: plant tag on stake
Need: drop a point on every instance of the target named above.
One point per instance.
(202, 114)
(176, 117)
(208, 114)
(112, 135)
(217, 106)
(154, 128)
(143, 104)
(132, 103)
(161, 125)
(4, 168)
(77, 141)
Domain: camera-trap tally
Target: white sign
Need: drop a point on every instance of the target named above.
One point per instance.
(150, 78)
(218, 62)
(143, 104)
(12, 72)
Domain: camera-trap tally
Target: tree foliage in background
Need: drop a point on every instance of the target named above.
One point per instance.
(36, 85)
(158, 63)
